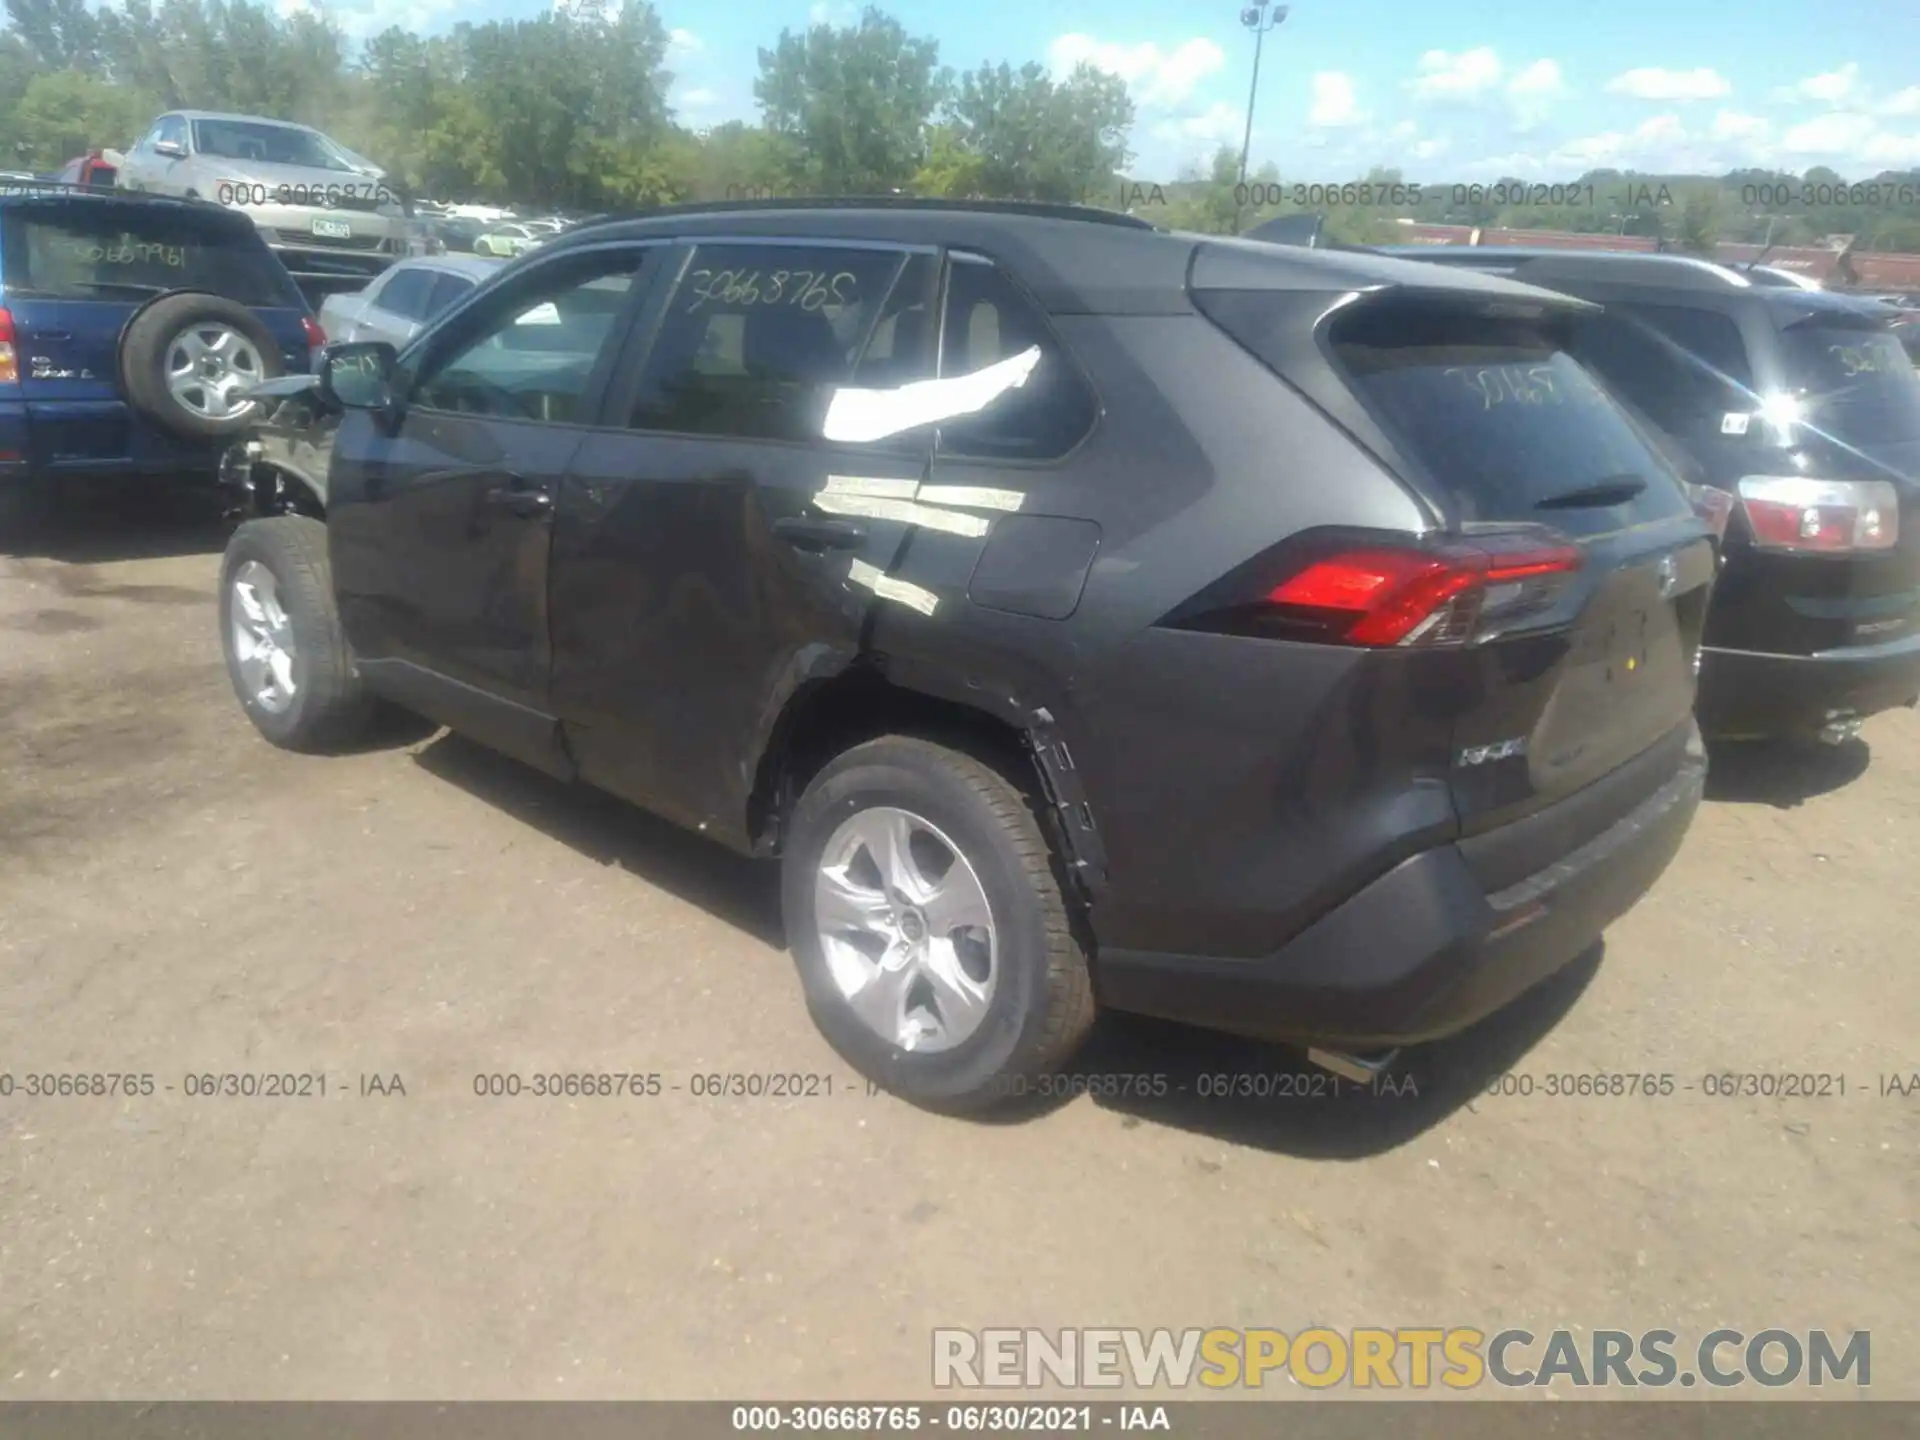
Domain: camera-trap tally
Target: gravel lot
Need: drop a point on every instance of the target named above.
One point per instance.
(177, 899)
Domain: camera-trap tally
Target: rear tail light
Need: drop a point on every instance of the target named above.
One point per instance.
(1713, 505)
(316, 337)
(1393, 595)
(9, 363)
(1793, 512)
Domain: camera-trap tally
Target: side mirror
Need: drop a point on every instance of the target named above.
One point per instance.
(172, 149)
(360, 375)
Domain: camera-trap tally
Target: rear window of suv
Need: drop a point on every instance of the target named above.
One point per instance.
(1859, 380)
(91, 251)
(1501, 415)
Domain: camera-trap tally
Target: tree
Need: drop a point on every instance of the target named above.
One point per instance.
(1037, 140)
(65, 113)
(854, 101)
(1700, 220)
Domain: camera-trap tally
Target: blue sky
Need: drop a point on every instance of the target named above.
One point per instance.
(1475, 89)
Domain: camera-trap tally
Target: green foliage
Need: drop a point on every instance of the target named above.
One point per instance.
(569, 110)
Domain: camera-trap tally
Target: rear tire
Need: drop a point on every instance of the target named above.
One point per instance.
(1026, 1018)
(280, 630)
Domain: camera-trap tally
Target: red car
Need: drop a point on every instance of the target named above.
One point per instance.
(96, 167)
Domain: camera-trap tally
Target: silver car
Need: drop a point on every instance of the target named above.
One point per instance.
(325, 211)
(397, 304)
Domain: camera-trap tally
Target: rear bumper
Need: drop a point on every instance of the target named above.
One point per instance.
(1745, 694)
(1424, 951)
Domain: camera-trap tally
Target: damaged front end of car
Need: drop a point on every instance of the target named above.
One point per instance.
(279, 465)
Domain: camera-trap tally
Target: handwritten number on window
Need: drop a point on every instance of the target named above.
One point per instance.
(809, 290)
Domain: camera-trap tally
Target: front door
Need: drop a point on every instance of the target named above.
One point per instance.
(718, 551)
(440, 521)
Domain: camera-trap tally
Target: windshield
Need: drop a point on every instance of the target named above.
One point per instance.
(1858, 381)
(272, 144)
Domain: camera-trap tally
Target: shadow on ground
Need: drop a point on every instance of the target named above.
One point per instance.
(1783, 774)
(1243, 1091)
(95, 522)
(744, 893)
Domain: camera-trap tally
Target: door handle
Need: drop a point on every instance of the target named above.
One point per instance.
(518, 498)
(817, 534)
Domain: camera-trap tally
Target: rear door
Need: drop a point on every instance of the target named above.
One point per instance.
(398, 308)
(719, 550)
(1505, 429)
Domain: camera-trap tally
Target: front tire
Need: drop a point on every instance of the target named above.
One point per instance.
(280, 630)
(930, 928)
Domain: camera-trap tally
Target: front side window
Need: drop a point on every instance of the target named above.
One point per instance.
(531, 354)
(446, 290)
(758, 339)
(173, 129)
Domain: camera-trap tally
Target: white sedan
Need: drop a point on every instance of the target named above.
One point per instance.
(403, 298)
(509, 240)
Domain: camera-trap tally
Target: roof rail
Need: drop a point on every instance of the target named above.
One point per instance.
(79, 187)
(1039, 209)
(1674, 272)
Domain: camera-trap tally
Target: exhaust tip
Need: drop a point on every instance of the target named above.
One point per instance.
(1360, 1069)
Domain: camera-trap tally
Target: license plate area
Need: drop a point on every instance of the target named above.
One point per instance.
(333, 229)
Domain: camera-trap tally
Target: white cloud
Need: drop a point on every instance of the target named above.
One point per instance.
(1732, 125)
(833, 14)
(1839, 133)
(684, 42)
(699, 99)
(1429, 149)
(1539, 80)
(1657, 84)
(375, 16)
(1447, 76)
(1905, 102)
(1164, 79)
(1335, 103)
(1829, 89)
(1219, 124)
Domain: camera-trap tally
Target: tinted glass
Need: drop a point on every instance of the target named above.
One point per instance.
(989, 320)
(1860, 383)
(1708, 336)
(94, 251)
(758, 337)
(1501, 415)
(532, 352)
(405, 293)
(446, 290)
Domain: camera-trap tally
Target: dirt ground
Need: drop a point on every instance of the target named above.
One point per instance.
(178, 899)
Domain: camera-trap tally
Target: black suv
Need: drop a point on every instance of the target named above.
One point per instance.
(1804, 407)
(1259, 638)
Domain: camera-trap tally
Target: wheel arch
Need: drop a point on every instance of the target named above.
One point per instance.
(827, 716)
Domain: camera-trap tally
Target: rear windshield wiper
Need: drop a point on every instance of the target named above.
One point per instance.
(1611, 490)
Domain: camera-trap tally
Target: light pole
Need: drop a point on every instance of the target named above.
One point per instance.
(1259, 17)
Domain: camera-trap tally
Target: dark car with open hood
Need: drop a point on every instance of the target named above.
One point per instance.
(1290, 641)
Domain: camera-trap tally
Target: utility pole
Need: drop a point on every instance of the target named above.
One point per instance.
(1259, 17)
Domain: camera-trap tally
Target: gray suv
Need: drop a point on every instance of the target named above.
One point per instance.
(328, 213)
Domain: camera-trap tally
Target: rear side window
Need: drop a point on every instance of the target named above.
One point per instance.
(1502, 416)
(989, 321)
(93, 251)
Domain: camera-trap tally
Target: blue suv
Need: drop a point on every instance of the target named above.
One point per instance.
(131, 328)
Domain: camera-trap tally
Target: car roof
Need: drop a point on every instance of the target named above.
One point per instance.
(231, 115)
(58, 192)
(1075, 259)
(475, 266)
